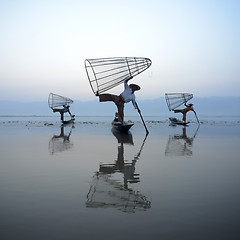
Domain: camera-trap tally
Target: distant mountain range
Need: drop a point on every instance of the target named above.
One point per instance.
(156, 107)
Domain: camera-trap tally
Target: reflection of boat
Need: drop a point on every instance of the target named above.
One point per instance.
(60, 143)
(106, 191)
(125, 138)
(180, 145)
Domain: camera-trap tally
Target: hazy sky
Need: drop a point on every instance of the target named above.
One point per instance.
(194, 45)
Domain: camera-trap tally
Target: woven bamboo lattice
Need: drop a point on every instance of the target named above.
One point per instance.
(175, 100)
(106, 73)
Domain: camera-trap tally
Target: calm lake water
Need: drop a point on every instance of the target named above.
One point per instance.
(85, 181)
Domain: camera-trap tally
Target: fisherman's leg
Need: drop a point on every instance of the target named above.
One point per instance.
(120, 107)
(72, 116)
(184, 116)
(69, 113)
(117, 100)
(178, 111)
(107, 97)
(56, 110)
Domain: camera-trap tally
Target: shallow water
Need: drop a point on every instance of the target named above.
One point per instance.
(86, 181)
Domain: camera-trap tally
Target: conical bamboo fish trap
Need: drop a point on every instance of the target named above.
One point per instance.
(175, 100)
(106, 73)
(55, 100)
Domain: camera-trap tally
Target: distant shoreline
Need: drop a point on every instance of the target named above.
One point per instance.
(210, 106)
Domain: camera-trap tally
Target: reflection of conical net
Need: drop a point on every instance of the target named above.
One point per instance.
(55, 100)
(59, 145)
(106, 73)
(177, 147)
(106, 192)
(174, 100)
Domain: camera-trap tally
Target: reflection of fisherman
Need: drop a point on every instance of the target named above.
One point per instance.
(59, 143)
(185, 110)
(106, 192)
(126, 96)
(180, 145)
(128, 169)
(66, 138)
(63, 110)
(184, 136)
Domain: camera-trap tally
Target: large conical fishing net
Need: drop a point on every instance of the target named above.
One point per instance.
(175, 100)
(55, 100)
(106, 73)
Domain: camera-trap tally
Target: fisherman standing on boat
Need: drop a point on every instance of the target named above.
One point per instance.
(62, 111)
(185, 110)
(126, 96)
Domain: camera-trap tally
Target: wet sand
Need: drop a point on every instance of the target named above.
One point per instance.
(87, 181)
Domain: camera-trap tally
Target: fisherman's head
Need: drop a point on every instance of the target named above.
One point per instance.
(134, 87)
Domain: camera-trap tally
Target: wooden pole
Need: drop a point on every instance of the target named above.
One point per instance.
(197, 117)
(147, 132)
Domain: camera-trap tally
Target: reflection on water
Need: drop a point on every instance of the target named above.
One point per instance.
(107, 191)
(180, 144)
(61, 142)
(188, 192)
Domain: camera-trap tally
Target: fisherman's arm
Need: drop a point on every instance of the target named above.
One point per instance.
(126, 84)
(126, 81)
(135, 104)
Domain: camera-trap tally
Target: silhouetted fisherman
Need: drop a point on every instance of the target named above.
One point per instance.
(63, 110)
(185, 110)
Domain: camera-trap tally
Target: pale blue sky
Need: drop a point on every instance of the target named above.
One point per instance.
(193, 45)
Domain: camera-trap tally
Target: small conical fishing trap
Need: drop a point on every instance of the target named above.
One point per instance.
(55, 100)
(175, 100)
(106, 73)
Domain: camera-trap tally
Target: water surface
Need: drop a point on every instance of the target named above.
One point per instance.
(87, 181)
